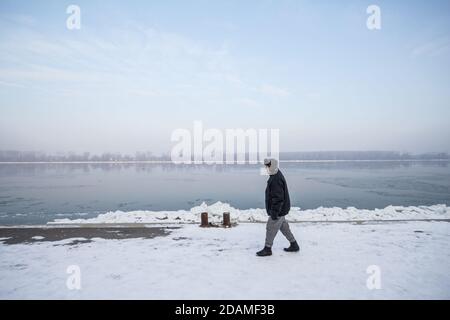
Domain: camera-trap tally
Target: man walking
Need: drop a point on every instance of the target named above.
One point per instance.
(278, 205)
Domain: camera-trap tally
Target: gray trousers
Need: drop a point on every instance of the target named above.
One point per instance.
(272, 228)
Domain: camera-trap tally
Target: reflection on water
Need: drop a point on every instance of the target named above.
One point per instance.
(64, 168)
(37, 193)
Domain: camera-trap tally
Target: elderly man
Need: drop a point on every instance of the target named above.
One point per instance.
(278, 205)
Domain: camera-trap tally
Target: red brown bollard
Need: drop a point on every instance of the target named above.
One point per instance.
(226, 220)
(204, 218)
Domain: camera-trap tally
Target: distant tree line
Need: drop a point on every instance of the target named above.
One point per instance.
(36, 156)
(362, 155)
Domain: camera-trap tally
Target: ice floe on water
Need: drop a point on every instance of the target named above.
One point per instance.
(216, 210)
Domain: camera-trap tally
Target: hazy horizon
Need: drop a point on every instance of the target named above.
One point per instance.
(40, 156)
(167, 152)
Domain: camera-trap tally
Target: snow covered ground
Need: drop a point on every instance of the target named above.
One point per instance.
(215, 211)
(216, 263)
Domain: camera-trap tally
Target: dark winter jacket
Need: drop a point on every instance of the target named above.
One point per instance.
(278, 202)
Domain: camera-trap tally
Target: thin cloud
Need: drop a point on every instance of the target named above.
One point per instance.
(11, 84)
(21, 19)
(274, 91)
(433, 48)
(247, 102)
(135, 55)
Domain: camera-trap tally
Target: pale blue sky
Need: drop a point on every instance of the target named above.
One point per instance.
(137, 70)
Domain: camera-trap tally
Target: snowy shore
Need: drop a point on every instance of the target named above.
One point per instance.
(216, 210)
(216, 263)
(408, 245)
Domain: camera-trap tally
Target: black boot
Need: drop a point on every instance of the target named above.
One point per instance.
(267, 251)
(293, 247)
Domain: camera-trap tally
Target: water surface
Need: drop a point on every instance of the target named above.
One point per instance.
(38, 193)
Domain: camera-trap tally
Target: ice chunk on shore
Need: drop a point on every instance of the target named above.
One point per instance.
(216, 210)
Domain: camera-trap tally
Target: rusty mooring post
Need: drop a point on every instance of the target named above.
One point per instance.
(204, 218)
(226, 220)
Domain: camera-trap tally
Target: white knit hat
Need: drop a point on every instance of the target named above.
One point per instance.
(273, 165)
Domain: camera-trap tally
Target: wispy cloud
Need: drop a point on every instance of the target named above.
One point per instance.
(129, 58)
(247, 102)
(11, 84)
(432, 48)
(274, 90)
(221, 25)
(20, 19)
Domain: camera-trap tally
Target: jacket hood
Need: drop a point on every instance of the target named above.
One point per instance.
(273, 169)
